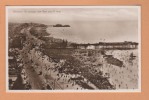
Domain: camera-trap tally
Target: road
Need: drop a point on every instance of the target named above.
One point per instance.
(36, 81)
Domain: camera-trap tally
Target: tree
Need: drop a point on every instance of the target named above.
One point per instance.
(18, 85)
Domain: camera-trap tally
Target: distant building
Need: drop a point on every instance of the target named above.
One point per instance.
(81, 47)
(90, 47)
(60, 25)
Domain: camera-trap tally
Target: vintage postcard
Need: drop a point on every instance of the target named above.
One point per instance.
(73, 48)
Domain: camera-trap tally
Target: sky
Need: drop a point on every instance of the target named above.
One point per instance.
(88, 24)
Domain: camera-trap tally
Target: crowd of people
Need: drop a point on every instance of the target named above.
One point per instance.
(78, 71)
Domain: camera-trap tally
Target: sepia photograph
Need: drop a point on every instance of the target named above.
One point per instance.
(73, 48)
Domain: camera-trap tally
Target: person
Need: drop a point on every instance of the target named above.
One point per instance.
(29, 86)
(10, 81)
(43, 88)
(40, 73)
(48, 87)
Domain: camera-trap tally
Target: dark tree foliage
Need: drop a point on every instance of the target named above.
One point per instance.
(18, 84)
